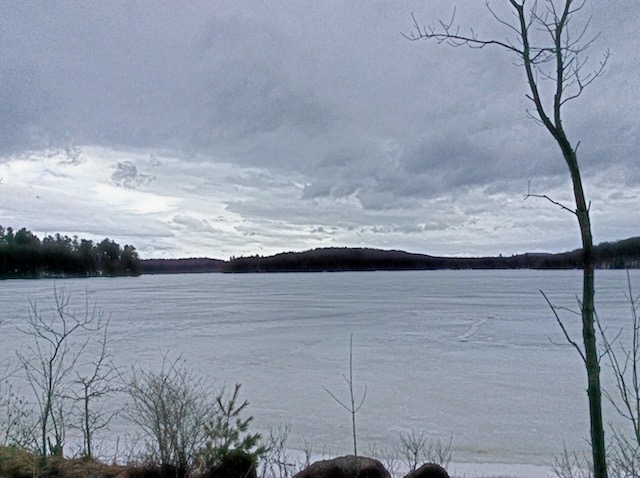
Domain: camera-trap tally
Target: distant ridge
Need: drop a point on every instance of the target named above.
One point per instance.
(609, 255)
(181, 266)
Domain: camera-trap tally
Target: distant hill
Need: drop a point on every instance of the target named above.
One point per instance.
(609, 255)
(181, 266)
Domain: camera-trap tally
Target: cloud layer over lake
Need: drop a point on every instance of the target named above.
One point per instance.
(225, 128)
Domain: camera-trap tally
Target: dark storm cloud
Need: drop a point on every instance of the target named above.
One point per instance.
(400, 177)
(249, 87)
(457, 155)
(140, 76)
(25, 107)
(270, 85)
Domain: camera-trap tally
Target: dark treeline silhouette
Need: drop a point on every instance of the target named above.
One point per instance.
(616, 255)
(24, 255)
(180, 266)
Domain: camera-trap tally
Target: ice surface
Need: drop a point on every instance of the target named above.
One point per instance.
(472, 355)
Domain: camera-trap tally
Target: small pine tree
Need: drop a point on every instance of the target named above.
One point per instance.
(228, 433)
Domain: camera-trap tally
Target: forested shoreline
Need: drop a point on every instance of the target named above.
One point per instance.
(623, 254)
(23, 255)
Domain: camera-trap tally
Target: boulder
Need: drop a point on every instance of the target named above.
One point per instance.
(349, 466)
(429, 470)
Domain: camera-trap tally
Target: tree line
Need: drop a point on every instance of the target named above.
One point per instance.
(608, 255)
(25, 255)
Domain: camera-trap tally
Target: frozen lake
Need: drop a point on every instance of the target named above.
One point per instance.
(473, 355)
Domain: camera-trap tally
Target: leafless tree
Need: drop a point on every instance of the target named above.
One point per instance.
(59, 337)
(351, 406)
(416, 449)
(94, 381)
(549, 39)
(571, 465)
(411, 449)
(390, 459)
(171, 407)
(277, 461)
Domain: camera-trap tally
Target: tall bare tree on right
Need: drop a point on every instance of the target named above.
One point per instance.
(550, 39)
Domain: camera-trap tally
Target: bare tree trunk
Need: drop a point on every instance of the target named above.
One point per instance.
(591, 356)
(87, 426)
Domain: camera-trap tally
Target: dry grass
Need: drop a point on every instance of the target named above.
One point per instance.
(18, 463)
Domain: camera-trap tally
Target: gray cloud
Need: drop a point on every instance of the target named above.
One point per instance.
(126, 175)
(193, 224)
(321, 102)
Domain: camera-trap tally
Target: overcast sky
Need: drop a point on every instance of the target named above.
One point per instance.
(219, 128)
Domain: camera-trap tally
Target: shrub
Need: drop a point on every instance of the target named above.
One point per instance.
(227, 438)
(170, 406)
(235, 464)
(185, 430)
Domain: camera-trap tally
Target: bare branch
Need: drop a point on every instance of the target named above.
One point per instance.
(564, 329)
(336, 399)
(544, 196)
(451, 36)
(623, 361)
